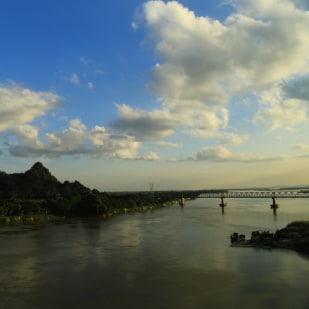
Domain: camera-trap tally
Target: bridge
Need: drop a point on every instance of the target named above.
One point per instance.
(255, 194)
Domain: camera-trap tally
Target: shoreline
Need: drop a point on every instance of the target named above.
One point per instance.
(29, 219)
(41, 218)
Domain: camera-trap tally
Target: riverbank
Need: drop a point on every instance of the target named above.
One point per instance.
(40, 218)
(26, 219)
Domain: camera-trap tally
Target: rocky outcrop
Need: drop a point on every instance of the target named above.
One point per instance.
(294, 236)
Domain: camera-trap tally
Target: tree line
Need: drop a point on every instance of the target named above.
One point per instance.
(37, 191)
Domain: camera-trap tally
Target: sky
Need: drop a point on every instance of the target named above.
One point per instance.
(128, 95)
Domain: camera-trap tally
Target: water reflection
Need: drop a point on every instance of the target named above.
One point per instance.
(222, 209)
(172, 257)
(274, 212)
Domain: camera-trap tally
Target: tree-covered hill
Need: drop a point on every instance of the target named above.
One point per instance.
(37, 191)
(37, 182)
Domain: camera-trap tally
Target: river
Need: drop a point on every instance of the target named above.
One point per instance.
(168, 258)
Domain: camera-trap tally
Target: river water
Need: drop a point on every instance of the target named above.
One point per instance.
(167, 258)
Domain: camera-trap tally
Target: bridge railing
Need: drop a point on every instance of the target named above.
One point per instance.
(255, 194)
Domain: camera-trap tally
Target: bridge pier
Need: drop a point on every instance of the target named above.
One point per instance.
(274, 205)
(223, 203)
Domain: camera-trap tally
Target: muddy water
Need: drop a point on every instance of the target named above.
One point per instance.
(167, 258)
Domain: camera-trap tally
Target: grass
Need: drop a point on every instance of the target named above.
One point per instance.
(28, 218)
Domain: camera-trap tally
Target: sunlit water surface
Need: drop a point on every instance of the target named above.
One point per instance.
(167, 258)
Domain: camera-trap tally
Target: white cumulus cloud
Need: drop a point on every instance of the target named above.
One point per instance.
(19, 105)
(279, 111)
(76, 139)
(203, 62)
(221, 153)
(144, 125)
(164, 144)
(303, 147)
(151, 156)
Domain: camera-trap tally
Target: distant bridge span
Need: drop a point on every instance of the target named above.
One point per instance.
(254, 194)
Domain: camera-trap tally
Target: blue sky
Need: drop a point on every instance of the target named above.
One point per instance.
(184, 94)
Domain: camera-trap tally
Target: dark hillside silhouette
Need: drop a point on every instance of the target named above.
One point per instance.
(38, 191)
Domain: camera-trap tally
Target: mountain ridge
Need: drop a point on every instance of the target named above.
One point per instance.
(38, 191)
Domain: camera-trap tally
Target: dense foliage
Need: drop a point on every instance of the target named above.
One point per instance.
(294, 236)
(37, 191)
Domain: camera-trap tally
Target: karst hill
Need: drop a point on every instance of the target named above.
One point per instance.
(38, 191)
(37, 182)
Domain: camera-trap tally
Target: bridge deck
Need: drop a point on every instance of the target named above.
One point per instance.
(255, 195)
